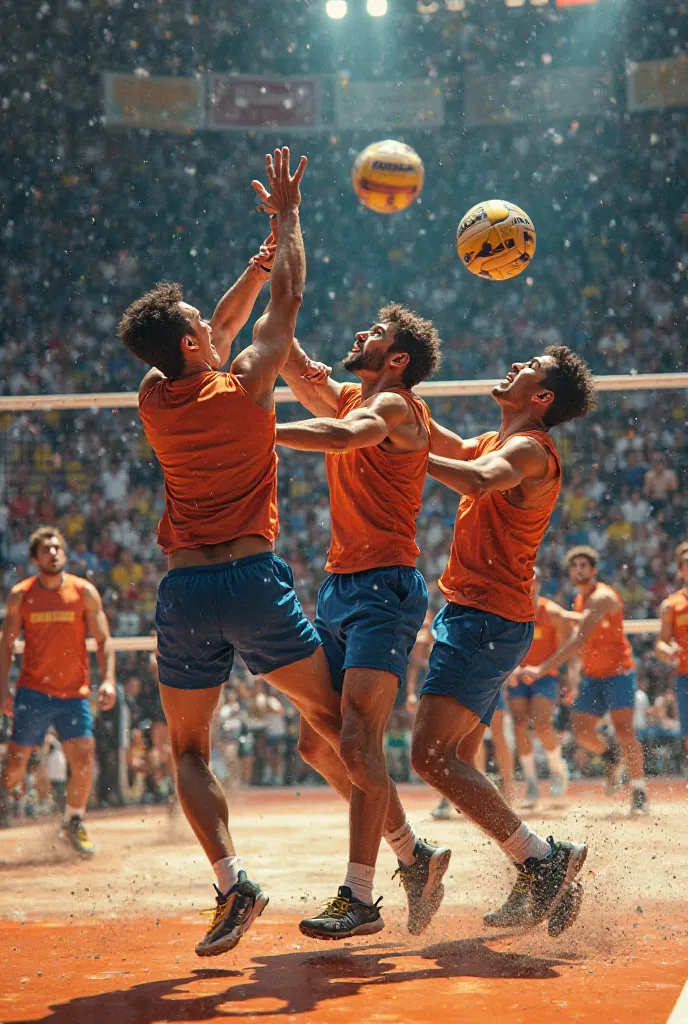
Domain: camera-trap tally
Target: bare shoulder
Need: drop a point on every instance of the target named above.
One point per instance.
(16, 596)
(603, 598)
(90, 592)
(387, 402)
(152, 378)
(528, 454)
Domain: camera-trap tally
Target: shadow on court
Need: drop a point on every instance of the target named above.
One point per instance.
(294, 985)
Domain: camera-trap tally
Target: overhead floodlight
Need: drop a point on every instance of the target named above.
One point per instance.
(376, 8)
(336, 9)
(539, 3)
(515, 3)
(455, 5)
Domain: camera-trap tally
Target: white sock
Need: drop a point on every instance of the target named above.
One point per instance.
(72, 812)
(402, 843)
(528, 765)
(639, 784)
(523, 844)
(227, 873)
(555, 761)
(359, 878)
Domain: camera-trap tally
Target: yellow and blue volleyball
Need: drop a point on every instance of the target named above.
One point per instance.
(496, 240)
(387, 176)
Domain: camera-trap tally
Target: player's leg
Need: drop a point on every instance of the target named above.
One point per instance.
(503, 755)
(543, 708)
(520, 712)
(682, 701)
(32, 719)
(590, 706)
(13, 775)
(473, 654)
(622, 703)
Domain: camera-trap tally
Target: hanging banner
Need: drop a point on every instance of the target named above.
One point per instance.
(536, 96)
(166, 104)
(654, 84)
(244, 102)
(379, 106)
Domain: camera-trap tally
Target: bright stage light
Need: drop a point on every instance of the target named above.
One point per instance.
(515, 3)
(455, 5)
(335, 9)
(376, 8)
(539, 3)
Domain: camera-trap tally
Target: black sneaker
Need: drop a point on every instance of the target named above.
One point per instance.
(234, 914)
(611, 759)
(343, 917)
(639, 802)
(422, 882)
(550, 876)
(567, 911)
(515, 911)
(74, 832)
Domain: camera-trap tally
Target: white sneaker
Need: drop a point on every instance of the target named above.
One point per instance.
(560, 781)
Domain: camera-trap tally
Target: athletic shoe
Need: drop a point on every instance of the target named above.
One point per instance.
(422, 882)
(567, 911)
(532, 794)
(443, 810)
(560, 781)
(515, 911)
(74, 832)
(343, 917)
(639, 802)
(234, 913)
(539, 887)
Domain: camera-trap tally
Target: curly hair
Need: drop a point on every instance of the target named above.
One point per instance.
(44, 533)
(153, 326)
(582, 551)
(573, 385)
(416, 336)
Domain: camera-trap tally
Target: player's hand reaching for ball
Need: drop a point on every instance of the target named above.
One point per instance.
(283, 191)
(107, 695)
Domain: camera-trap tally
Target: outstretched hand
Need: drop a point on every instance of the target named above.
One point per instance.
(315, 372)
(265, 256)
(283, 188)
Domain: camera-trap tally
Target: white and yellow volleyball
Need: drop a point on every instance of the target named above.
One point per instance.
(496, 240)
(387, 176)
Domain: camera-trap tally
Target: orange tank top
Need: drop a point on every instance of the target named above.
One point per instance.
(375, 497)
(55, 660)
(496, 543)
(217, 452)
(607, 652)
(678, 603)
(545, 641)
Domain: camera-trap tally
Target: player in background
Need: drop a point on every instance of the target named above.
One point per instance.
(509, 481)
(214, 436)
(609, 681)
(376, 436)
(55, 611)
(672, 643)
(536, 702)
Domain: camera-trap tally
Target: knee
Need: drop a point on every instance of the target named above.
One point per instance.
(428, 759)
(361, 750)
(520, 723)
(82, 757)
(313, 749)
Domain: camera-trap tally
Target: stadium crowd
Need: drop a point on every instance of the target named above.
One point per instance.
(92, 217)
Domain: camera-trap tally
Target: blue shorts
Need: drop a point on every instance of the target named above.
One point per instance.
(474, 653)
(501, 703)
(35, 712)
(682, 701)
(598, 696)
(207, 612)
(546, 686)
(370, 619)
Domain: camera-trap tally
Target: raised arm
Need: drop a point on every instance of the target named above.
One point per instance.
(236, 305)
(99, 628)
(361, 428)
(10, 631)
(310, 382)
(258, 366)
(521, 458)
(599, 606)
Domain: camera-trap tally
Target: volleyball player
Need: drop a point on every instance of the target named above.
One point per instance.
(672, 643)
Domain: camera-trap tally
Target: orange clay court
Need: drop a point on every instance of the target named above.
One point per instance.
(111, 940)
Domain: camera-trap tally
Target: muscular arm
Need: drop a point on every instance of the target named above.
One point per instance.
(599, 606)
(521, 458)
(99, 628)
(10, 631)
(361, 428)
(448, 445)
(258, 366)
(320, 399)
(564, 624)
(235, 307)
(666, 646)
